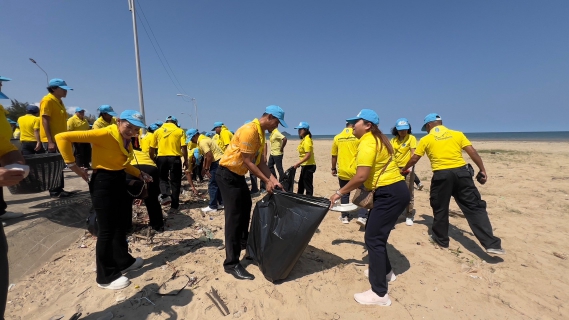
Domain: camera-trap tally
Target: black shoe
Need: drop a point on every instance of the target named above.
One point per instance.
(240, 273)
(62, 194)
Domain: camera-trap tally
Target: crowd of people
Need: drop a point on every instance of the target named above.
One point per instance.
(125, 160)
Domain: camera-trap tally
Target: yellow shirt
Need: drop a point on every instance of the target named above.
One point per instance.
(372, 154)
(276, 138)
(145, 142)
(206, 145)
(28, 124)
(54, 108)
(109, 152)
(76, 124)
(249, 139)
(402, 149)
(5, 128)
(169, 140)
(345, 147)
(443, 147)
(224, 139)
(16, 134)
(141, 158)
(303, 148)
(101, 123)
(5, 145)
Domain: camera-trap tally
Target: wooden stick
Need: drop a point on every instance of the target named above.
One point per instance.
(215, 303)
(216, 295)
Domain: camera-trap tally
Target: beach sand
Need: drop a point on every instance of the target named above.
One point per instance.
(527, 197)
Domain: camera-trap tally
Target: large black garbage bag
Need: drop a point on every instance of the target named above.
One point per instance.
(283, 224)
(287, 180)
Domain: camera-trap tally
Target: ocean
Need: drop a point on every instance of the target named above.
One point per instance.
(487, 136)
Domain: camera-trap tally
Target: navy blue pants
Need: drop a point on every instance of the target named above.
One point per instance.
(388, 203)
(213, 188)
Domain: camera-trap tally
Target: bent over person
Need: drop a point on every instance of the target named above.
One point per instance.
(452, 178)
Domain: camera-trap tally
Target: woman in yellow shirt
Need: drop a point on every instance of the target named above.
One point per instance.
(112, 156)
(306, 160)
(379, 174)
(404, 145)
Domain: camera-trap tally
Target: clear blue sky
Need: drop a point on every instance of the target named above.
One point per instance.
(482, 65)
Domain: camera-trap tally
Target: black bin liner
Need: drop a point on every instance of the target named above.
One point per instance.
(283, 224)
(287, 180)
(45, 174)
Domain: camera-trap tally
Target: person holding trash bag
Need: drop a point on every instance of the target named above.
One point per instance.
(380, 175)
(244, 153)
(112, 156)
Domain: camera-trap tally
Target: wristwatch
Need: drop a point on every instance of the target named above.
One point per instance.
(338, 193)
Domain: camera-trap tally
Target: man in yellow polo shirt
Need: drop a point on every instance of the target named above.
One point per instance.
(82, 151)
(30, 131)
(224, 136)
(244, 153)
(171, 144)
(344, 151)
(453, 177)
(212, 154)
(278, 143)
(53, 120)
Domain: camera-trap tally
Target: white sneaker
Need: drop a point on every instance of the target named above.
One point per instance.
(390, 277)
(220, 207)
(409, 221)
(118, 284)
(362, 221)
(499, 251)
(208, 209)
(371, 298)
(11, 215)
(345, 220)
(420, 187)
(136, 265)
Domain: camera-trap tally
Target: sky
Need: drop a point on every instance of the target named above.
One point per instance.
(484, 66)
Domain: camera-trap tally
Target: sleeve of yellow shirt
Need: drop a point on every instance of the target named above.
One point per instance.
(154, 140)
(183, 139)
(249, 140)
(420, 151)
(204, 146)
(225, 136)
(36, 123)
(335, 147)
(6, 146)
(464, 142)
(65, 141)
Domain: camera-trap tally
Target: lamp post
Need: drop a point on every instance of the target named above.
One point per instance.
(132, 8)
(46, 76)
(195, 103)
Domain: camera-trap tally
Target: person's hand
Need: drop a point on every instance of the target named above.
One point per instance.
(185, 164)
(296, 165)
(145, 177)
(10, 177)
(38, 146)
(334, 172)
(51, 146)
(482, 177)
(80, 172)
(333, 199)
(404, 172)
(205, 172)
(196, 193)
(270, 186)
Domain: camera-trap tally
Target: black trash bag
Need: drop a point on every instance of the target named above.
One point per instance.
(287, 180)
(92, 225)
(283, 224)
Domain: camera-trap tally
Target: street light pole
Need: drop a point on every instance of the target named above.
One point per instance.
(132, 8)
(46, 76)
(195, 103)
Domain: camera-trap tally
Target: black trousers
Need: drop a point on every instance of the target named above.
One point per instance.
(59, 188)
(82, 153)
(458, 183)
(306, 179)
(28, 147)
(4, 272)
(278, 162)
(238, 204)
(170, 168)
(197, 172)
(254, 185)
(113, 206)
(388, 202)
(152, 204)
(3, 204)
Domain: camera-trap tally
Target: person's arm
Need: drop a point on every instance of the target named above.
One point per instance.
(414, 159)
(65, 142)
(185, 156)
(285, 140)
(38, 139)
(208, 160)
(303, 160)
(362, 173)
(152, 153)
(47, 129)
(11, 177)
(70, 124)
(473, 154)
(334, 163)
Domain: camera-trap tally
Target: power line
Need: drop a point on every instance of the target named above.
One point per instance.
(179, 85)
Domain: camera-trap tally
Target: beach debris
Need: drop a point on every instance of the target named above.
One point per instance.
(57, 317)
(82, 292)
(11, 286)
(107, 316)
(120, 299)
(76, 316)
(560, 255)
(218, 302)
(175, 285)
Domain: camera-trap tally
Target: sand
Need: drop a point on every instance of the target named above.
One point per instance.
(527, 196)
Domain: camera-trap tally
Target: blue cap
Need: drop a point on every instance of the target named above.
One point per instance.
(59, 83)
(402, 124)
(191, 133)
(105, 108)
(171, 118)
(303, 125)
(5, 79)
(79, 110)
(209, 134)
(159, 123)
(430, 118)
(367, 115)
(134, 117)
(11, 121)
(153, 127)
(216, 124)
(30, 108)
(278, 113)
(197, 154)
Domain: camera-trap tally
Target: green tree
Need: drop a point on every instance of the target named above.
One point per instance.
(91, 118)
(16, 110)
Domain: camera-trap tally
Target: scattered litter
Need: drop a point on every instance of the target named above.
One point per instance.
(57, 317)
(120, 299)
(218, 302)
(83, 246)
(221, 247)
(173, 286)
(11, 286)
(474, 277)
